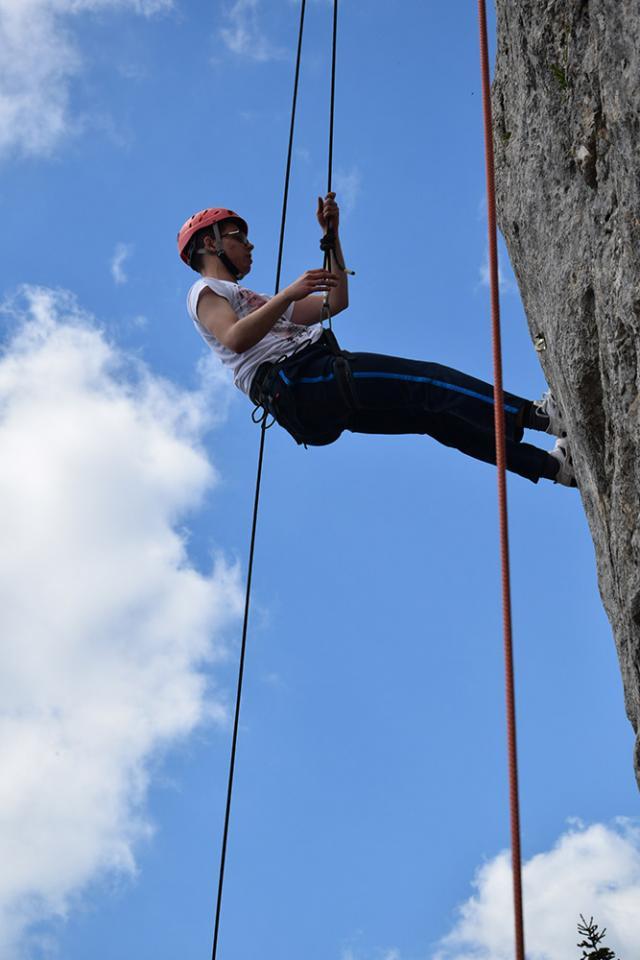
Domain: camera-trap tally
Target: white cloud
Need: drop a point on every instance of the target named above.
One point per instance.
(38, 61)
(346, 184)
(378, 953)
(504, 283)
(106, 625)
(121, 253)
(273, 680)
(591, 870)
(245, 36)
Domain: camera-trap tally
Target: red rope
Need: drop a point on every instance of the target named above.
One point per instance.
(516, 860)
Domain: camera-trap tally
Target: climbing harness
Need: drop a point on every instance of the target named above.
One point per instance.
(273, 390)
(341, 368)
(272, 395)
(514, 805)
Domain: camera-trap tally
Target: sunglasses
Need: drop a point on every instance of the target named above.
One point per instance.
(237, 235)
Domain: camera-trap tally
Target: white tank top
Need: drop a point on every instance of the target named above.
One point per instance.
(284, 338)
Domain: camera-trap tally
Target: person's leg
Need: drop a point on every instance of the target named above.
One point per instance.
(400, 396)
(522, 458)
(546, 415)
(386, 383)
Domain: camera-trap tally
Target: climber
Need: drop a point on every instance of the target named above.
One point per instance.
(284, 359)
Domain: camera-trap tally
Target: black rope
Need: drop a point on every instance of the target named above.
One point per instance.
(328, 244)
(333, 91)
(236, 722)
(285, 198)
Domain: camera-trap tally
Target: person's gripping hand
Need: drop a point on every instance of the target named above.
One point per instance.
(328, 210)
(312, 281)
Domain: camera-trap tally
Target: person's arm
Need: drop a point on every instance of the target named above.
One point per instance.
(309, 311)
(339, 296)
(216, 315)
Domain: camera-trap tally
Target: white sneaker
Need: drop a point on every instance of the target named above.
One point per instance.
(562, 454)
(547, 406)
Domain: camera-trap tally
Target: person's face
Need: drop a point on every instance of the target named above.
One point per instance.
(236, 245)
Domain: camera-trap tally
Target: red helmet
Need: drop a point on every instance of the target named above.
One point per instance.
(205, 218)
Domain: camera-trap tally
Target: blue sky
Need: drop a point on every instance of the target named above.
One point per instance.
(370, 817)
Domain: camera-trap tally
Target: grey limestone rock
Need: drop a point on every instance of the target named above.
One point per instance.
(566, 101)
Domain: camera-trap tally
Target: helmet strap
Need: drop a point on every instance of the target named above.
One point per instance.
(222, 256)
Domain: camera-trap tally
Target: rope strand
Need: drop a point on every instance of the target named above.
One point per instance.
(287, 175)
(502, 490)
(236, 722)
(333, 92)
(326, 310)
(245, 624)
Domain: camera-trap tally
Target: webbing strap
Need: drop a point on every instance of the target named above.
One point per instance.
(502, 488)
(222, 256)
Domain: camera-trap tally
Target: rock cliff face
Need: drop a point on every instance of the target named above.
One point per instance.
(566, 103)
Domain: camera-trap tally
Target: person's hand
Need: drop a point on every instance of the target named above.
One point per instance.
(313, 281)
(328, 210)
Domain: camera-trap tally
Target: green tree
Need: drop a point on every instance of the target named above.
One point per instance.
(590, 945)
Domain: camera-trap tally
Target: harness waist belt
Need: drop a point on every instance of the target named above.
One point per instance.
(259, 379)
(265, 369)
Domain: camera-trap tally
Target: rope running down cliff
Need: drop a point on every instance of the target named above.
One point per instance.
(516, 858)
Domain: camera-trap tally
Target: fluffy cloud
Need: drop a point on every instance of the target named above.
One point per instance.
(106, 625)
(505, 285)
(37, 64)
(379, 953)
(244, 36)
(347, 185)
(120, 255)
(591, 870)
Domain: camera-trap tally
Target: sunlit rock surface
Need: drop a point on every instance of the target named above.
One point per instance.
(566, 103)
